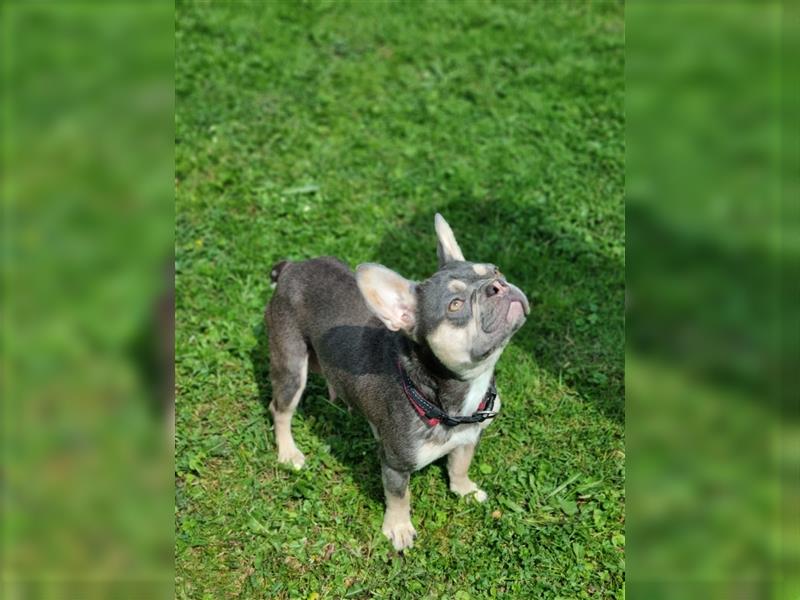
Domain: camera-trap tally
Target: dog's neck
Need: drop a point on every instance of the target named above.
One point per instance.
(454, 394)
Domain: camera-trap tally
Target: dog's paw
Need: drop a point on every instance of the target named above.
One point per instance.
(400, 533)
(292, 457)
(468, 488)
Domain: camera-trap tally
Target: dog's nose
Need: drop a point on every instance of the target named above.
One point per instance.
(497, 288)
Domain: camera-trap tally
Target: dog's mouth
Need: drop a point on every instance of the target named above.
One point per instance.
(515, 311)
(508, 312)
(499, 320)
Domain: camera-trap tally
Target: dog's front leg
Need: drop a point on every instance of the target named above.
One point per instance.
(397, 520)
(458, 470)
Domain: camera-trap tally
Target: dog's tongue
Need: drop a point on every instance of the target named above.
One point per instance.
(515, 311)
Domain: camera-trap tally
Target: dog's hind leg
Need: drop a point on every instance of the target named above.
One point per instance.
(288, 370)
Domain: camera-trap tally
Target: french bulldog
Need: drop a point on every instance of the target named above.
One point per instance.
(415, 358)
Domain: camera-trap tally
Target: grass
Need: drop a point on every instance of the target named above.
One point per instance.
(307, 129)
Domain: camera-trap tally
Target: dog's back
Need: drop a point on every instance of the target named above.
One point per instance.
(317, 294)
(318, 319)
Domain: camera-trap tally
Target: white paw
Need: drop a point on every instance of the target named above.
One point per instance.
(400, 533)
(470, 487)
(291, 456)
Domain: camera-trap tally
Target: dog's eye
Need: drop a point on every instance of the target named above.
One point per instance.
(455, 305)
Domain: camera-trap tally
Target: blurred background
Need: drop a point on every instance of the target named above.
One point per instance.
(87, 309)
(712, 300)
(713, 443)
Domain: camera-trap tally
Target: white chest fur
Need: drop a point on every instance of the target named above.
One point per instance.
(476, 392)
(462, 434)
(431, 450)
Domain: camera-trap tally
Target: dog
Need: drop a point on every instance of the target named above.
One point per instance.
(416, 359)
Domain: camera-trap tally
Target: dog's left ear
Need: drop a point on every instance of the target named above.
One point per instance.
(447, 249)
(391, 297)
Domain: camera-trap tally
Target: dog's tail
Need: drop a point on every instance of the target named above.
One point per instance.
(275, 273)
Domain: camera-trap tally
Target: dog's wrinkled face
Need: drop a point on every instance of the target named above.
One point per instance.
(466, 312)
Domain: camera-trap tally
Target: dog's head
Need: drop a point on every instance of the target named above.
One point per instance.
(465, 312)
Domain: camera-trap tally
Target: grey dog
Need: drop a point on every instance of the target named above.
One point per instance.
(416, 359)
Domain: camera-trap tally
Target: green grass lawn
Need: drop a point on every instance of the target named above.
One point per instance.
(306, 129)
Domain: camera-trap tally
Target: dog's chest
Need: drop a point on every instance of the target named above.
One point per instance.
(432, 449)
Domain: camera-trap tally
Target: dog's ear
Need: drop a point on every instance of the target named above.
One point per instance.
(391, 297)
(447, 249)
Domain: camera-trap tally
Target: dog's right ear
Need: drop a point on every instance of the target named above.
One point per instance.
(391, 297)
